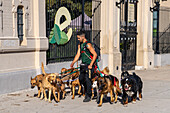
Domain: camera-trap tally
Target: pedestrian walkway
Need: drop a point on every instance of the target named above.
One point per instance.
(156, 99)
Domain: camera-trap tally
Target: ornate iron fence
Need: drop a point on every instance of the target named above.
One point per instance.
(81, 18)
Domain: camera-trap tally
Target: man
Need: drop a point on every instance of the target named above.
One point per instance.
(88, 56)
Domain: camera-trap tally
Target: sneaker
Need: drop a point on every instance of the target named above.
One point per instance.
(87, 99)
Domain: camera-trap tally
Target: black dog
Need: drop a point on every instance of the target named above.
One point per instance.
(131, 84)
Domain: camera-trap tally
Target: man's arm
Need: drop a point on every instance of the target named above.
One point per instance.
(76, 57)
(91, 49)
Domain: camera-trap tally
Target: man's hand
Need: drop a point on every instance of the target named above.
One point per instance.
(89, 67)
(71, 65)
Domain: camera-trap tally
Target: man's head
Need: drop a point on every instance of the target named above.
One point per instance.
(81, 36)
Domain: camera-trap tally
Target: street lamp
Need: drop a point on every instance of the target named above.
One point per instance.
(156, 8)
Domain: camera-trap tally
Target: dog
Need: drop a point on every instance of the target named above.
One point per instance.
(58, 87)
(108, 84)
(75, 82)
(95, 76)
(37, 81)
(131, 84)
(48, 82)
(72, 80)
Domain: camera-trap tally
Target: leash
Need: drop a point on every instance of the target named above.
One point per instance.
(68, 70)
(94, 64)
(70, 80)
(68, 74)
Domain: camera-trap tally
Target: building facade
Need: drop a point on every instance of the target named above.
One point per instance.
(126, 38)
(23, 42)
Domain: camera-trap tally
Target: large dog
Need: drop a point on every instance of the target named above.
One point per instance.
(131, 84)
(108, 84)
(48, 82)
(37, 81)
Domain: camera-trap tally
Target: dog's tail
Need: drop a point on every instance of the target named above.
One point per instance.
(42, 68)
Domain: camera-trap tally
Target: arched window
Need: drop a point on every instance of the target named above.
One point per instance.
(20, 23)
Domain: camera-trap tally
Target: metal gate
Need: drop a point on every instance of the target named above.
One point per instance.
(128, 33)
(81, 18)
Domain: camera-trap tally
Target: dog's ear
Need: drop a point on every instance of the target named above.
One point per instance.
(31, 78)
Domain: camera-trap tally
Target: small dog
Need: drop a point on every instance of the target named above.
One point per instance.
(108, 84)
(131, 84)
(36, 81)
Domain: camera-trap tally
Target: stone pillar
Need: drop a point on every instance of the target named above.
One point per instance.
(145, 54)
(39, 25)
(1, 19)
(114, 36)
(110, 34)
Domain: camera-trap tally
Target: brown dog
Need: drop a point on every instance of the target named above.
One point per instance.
(58, 87)
(75, 82)
(95, 76)
(48, 82)
(36, 81)
(108, 84)
(72, 80)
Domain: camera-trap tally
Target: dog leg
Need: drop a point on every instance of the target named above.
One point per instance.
(101, 100)
(45, 96)
(116, 94)
(125, 99)
(64, 92)
(126, 102)
(42, 94)
(54, 95)
(39, 91)
(49, 97)
(140, 95)
(79, 91)
(73, 90)
(111, 95)
(134, 98)
(58, 96)
(92, 93)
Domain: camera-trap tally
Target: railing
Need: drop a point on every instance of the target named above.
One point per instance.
(164, 42)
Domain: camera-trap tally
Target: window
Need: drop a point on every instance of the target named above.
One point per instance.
(155, 19)
(20, 23)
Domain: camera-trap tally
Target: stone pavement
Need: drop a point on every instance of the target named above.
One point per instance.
(156, 99)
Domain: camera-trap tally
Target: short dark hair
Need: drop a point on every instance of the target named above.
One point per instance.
(81, 32)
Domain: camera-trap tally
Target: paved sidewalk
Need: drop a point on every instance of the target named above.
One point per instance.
(156, 99)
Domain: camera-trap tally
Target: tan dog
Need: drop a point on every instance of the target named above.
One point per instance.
(36, 81)
(47, 83)
(52, 83)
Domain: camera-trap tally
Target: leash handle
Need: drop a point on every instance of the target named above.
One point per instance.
(89, 73)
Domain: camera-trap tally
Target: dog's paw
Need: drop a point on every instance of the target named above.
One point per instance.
(140, 99)
(125, 105)
(134, 102)
(99, 105)
(45, 99)
(72, 98)
(49, 101)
